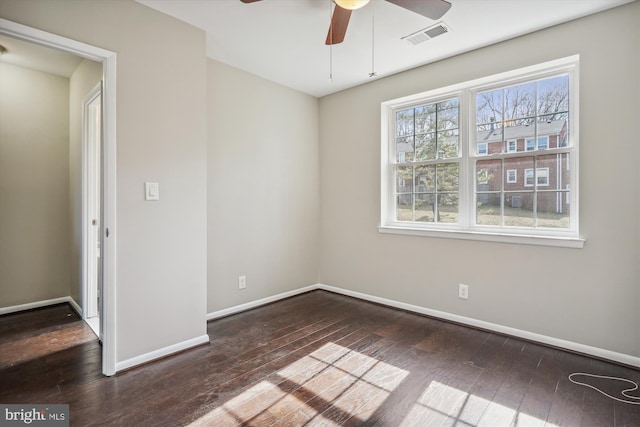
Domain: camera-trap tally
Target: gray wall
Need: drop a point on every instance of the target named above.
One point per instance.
(82, 81)
(263, 187)
(589, 296)
(161, 136)
(34, 186)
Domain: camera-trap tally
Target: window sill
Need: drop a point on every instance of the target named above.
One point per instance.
(519, 239)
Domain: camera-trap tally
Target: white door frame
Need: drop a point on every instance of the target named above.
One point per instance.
(108, 60)
(91, 206)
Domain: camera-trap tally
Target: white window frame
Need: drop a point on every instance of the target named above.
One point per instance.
(527, 146)
(540, 172)
(466, 228)
(515, 176)
(515, 146)
(536, 143)
(485, 149)
(544, 138)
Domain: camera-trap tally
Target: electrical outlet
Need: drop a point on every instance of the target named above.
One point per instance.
(242, 282)
(463, 291)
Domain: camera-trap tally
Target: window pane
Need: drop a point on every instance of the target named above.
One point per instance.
(488, 209)
(488, 175)
(488, 109)
(520, 131)
(554, 166)
(404, 122)
(518, 210)
(520, 102)
(448, 144)
(404, 179)
(447, 114)
(425, 147)
(425, 179)
(447, 126)
(447, 177)
(489, 141)
(448, 208)
(555, 129)
(553, 95)
(519, 164)
(425, 207)
(553, 211)
(425, 118)
(404, 207)
(404, 149)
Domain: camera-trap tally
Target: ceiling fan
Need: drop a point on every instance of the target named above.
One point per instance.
(432, 9)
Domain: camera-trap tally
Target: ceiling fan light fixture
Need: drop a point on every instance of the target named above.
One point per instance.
(351, 4)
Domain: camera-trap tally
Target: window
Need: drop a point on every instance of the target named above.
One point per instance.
(530, 144)
(451, 163)
(541, 143)
(542, 177)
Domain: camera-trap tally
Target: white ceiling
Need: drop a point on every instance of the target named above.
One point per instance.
(37, 57)
(283, 40)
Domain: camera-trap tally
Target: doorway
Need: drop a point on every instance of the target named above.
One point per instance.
(92, 207)
(107, 303)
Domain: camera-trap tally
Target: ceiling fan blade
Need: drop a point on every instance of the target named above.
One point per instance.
(338, 27)
(249, 1)
(432, 9)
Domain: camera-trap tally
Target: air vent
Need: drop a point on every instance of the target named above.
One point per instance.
(428, 33)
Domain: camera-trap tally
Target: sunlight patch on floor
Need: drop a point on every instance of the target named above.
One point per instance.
(326, 387)
(39, 346)
(440, 402)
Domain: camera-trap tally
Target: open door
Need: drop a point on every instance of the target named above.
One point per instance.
(92, 201)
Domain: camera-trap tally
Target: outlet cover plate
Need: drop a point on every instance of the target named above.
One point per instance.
(463, 291)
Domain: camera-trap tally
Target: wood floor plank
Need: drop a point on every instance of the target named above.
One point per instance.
(27, 323)
(315, 359)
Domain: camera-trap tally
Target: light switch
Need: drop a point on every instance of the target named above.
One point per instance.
(151, 191)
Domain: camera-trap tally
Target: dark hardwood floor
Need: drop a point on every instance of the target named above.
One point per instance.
(315, 359)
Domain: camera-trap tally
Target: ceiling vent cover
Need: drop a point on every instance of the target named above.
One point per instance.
(428, 33)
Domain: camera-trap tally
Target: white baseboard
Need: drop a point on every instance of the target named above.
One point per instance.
(161, 352)
(258, 303)
(543, 339)
(76, 307)
(36, 304)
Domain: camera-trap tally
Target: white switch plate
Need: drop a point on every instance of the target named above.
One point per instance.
(151, 191)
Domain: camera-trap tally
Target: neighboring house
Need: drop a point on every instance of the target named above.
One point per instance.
(550, 173)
